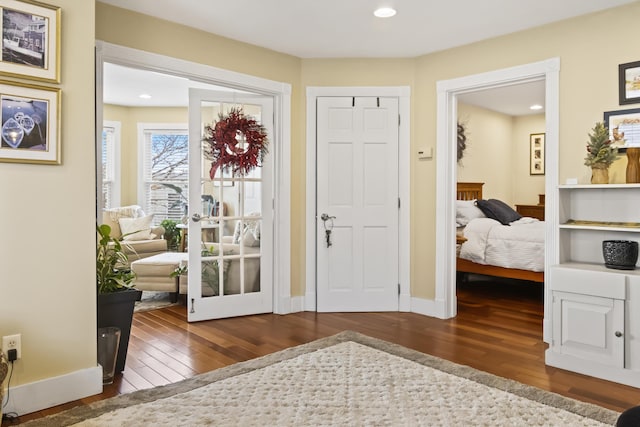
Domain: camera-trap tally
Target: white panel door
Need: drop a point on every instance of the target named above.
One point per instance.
(230, 218)
(357, 184)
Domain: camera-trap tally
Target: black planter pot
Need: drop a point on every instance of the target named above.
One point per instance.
(116, 309)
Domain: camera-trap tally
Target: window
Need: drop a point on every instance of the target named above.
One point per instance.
(110, 165)
(164, 168)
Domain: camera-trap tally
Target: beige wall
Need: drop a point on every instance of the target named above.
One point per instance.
(589, 51)
(125, 28)
(490, 151)
(129, 117)
(497, 154)
(49, 211)
(526, 187)
(574, 41)
(47, 290)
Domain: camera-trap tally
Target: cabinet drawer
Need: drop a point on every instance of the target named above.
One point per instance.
(595, 283)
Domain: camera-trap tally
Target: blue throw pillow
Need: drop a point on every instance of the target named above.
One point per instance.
(498, 210)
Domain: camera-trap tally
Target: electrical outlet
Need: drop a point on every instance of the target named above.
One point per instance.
(12, 341)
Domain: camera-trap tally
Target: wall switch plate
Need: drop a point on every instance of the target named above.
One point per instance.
(425, 152)
(12, 342)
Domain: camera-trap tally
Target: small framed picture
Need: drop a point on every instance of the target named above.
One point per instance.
(30, 123)
(30, 40)
(536, 154)
(624, 128)
(629, 83)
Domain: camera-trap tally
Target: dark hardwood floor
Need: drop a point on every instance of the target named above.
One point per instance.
(498, 329)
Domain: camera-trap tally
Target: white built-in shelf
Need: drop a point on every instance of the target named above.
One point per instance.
(600, 227)
(596, 186)
(585, 266)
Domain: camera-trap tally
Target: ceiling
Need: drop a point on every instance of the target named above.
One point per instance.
(124, 85)
(347, 28)
(514, 100)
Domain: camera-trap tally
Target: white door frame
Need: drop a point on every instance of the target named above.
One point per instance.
(403, 93)
(448, 90)
(281, 93)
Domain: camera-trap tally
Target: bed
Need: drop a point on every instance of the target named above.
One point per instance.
(469, 191)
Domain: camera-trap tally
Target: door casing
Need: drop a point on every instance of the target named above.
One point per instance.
(445, 304)
(403, 93)
(281, 93)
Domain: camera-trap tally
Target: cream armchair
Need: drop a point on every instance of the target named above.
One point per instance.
(139, 238)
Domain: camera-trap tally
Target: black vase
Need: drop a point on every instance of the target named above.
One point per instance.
(116, 309)
(620, 254)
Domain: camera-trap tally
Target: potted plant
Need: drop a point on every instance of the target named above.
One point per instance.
(600, 154)
(116, 293)
(171, 234)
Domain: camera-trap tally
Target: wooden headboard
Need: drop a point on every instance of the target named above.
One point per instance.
(469, 190)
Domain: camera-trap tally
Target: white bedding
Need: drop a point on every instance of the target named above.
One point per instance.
(518, 245)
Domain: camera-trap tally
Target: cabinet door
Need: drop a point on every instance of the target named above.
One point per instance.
(589, 327)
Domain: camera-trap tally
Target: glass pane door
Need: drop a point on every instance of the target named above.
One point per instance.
(230, 216)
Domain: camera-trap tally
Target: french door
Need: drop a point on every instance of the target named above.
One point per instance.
(230, 221)
(357, 204)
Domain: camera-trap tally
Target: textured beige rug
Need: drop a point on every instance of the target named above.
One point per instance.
(347, 380)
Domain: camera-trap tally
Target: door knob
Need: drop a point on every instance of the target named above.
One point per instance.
(196, 217)
(618, 334)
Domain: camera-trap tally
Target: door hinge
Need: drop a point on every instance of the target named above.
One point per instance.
(398, 202)
(398, 119)
(398, 288)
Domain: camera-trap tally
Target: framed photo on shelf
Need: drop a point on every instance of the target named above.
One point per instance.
(536, 154)
(624, 128)
(30, 123)
(30, 40)
(629, 83)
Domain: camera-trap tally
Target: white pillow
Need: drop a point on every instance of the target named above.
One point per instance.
(136, 228)
(466, 210)
(251, 235)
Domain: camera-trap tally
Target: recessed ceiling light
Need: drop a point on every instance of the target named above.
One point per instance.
(536, 107)
(384, 12)
(145, 96)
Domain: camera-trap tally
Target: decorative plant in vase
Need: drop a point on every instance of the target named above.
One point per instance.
(600, 154)
(116, 293)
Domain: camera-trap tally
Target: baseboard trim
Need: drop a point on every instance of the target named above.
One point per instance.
(428, 307)
(35, 396)
(297, 304)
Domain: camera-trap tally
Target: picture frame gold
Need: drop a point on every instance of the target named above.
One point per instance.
(30, 123)
(30, 40)
(536, 153)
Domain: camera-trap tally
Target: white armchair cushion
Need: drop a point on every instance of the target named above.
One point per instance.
(136, 228)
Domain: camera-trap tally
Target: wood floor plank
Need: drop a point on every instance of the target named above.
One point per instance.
(498, 330)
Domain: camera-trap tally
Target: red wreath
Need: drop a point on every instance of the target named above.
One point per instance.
(235, 142)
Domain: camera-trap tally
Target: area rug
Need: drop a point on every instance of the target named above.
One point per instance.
(345, 380)
(153, 301)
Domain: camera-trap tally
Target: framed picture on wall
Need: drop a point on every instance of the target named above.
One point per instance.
(30, 40)
(30, 123)
(536, 154)
(629, 83)
(624, 128)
